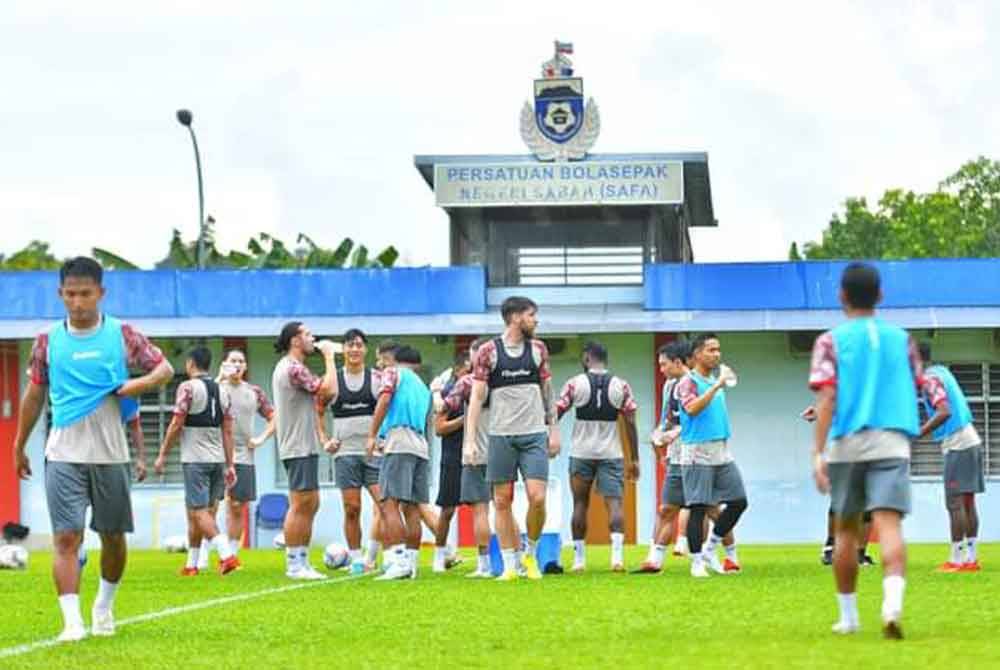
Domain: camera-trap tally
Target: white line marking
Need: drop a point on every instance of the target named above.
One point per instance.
(22, 649)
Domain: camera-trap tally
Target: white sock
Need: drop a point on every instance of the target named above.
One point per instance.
(413, 556)
(206, 546)
(440, 554)
(70, 606)
(892, 597)
(293, 560)
(192, 561)
(106, 595)
(373, 549)
(731, 552)
(657, 554)
(450, 551)
(696, 560)
(970, 549)
(956, 552)
(221, 543)
(234, 546)
(483, 564)
(579, 552)
(530, 546)
(617, 548)
(713, 542)
(518, 558)
(848, 608)
(509, 560)
(354, 555)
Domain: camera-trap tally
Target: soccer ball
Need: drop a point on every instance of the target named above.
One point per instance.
(175, 544)
(279, 541)
(335, 556)
(13, 557)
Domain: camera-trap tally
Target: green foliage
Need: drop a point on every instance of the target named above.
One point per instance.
(35, 256)
(959, 219)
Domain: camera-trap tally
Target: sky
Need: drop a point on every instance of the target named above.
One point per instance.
(308, 115)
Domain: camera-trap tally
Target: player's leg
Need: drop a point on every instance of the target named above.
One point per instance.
(234, 521)
(865, 532)
(441, 534)
(501, 471)
(481, 531)
(581, 479)
(681, 546)
(971, 482)
(533, 463)
(111, 519)
(826, 557)
(971, 531)
(351, 500)
(845, 571)
(68, 492)
(610, 483)
(376, 537)
(727, 486)
(887, 489)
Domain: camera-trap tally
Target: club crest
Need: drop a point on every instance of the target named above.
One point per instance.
(560, 126)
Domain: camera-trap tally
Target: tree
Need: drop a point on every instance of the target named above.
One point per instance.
(35, 256)
(959, 219)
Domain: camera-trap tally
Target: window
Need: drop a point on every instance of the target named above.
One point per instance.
(576, 266)
(981, 384)
(156, 409)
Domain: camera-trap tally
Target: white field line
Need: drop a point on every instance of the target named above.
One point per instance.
(22, 649)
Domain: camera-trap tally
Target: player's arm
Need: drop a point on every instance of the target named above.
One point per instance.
(698, 405)
(937, 397)
(565, 401)
(266, 410)
(477, 395)
(826, 397)
(139, 445)
(229, 449)
(266, 435)
(328, 389)
(320, 409)
(162, 373)
(182, 406)
(548, 401)
(31, 408)
(381, 409)
(169, 439)
(443, 426)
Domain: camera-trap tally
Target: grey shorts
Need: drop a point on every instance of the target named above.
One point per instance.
(73, 487)
(303, 473)
(712, 484)
(245, 489)
(509, 454)
(609, 473)
(204, 484)
(673, 487)
(403, 477)
(475, 488)
(865, 486)
(354, 472)
(963, 471)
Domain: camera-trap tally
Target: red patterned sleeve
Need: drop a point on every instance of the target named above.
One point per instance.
(390, 379)
(934, 390)
(141, 353)
(264, 407)
(483, 365)
(686, 392)
(38, 367)
(823, 367)
(185, 395)
(459, 394)
(566, 397)
(302, 377)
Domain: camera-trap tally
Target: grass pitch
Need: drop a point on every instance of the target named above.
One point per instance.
(775, 615)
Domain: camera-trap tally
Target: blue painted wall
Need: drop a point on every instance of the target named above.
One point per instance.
(815, 285)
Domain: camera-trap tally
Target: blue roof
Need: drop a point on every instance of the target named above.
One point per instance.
(409, 301)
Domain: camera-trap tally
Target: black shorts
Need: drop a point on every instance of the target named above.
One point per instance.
(450, 485)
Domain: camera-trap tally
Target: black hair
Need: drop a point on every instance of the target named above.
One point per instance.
(391, 346)
(861, 285)
(288, 331)
(516, 305)
(700, 341)
(408, 355)
(201, 356)
(354, 334)
(461, 358)
(596, 352)
(81, 266)
(925, 351)
(678, 350)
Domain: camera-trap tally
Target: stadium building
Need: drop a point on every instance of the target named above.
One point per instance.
(618, 273)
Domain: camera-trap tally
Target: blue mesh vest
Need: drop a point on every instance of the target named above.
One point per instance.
(712, 423)
(961, 415)
(84, 370)
(410, 405)
(875, 384)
